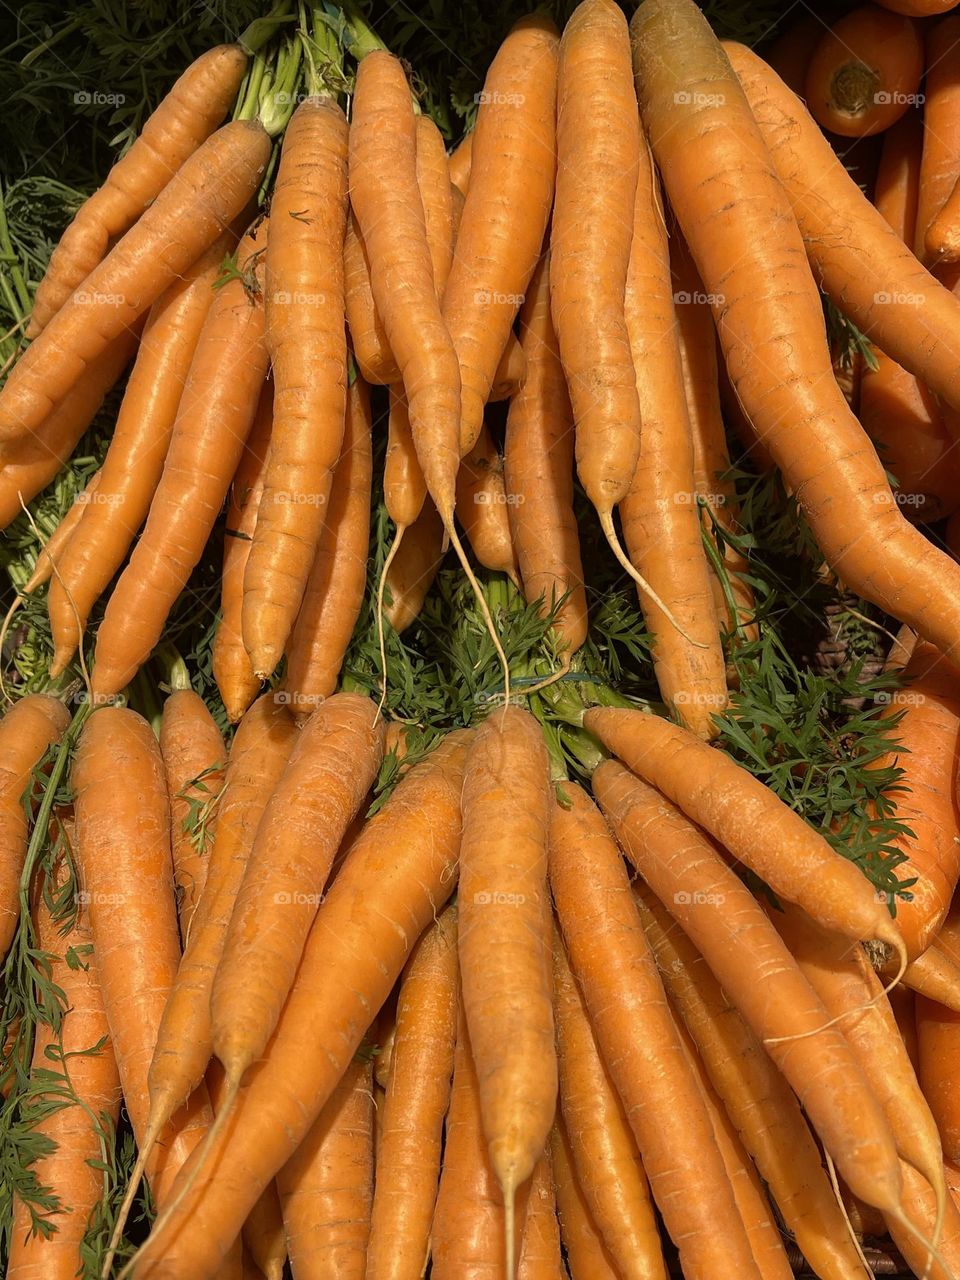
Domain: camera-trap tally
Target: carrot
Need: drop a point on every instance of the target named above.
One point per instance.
(304, 314)
(948, 938)
(77, 1089)
(720, 516)
(508, 201)
(194, 757)
(865, 72)
(938, 1032)
(878, 284)
(942, 239)
(123, 856)
(461, 163)
(326, 1187)
(31, 726)
(371, 347)
(511, 371)
(134, 461)
(482, 506)
(417, 1098)
(538, 474)
(940, 163)
(748, 820)
(414, 568)
(639, 1042)
(587, 1256)
(661, 520)
(214, 418)
(918, 8)
(32, 466)
(602, 1148)
(725, 922)
(504, 945)
(195, 207)
(935, 975)
(52, 550)
(397, 876)
(540, 1253)
(903, 1004)
(920, 1207)
(330, 771)
(436, 195)
(232, 668)
(773, 337)
(758, 1099)
(264, 1236)
(185, 118)
(338, 577)
(924, 738)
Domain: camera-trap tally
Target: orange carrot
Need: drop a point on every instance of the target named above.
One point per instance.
(461, 163)
(436, 195)
(483, 509)
(540, 1253)
(940, 162)
(511, 371)
(403, 486)
(264, 1236)
(918, 8)
(587, 1257)
(368, 337)
(414, 568)
(51, 553)
(942, 240)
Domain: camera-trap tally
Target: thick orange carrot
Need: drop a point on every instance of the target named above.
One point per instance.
(32, 725)
(51, 553)
(587, 1256)
(936, 975)
(505, 965)
(398, 875)
(368, 337)
(403, 486)
(938, 1036)
(414, 568)
(307, 345)
(194, 757)
(639, 1043)
(461, 163)
(940, 163)
(195, 207)
(749, 821)
(661, 520)
(338, 577)
(540, 1257)
(330, 771)
(725, 921)
(601, 1144)
(231, 663)
(538, 473)
(215, 416)
(417, 1098)
(482, 507)
(507, 206)
(186, 117)
(326, 1187)
(264, 1236)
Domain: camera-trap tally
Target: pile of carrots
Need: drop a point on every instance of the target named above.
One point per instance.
(378, 1010)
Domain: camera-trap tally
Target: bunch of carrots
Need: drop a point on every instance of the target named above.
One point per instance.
(373, 1005)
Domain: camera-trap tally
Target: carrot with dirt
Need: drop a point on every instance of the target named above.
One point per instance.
(304, 314)
(505, 965)
(864, 72)
(326, 1187)
(338, 577)
(183, 121)
(330, 771)
(638, 1041)
(413, 1111)
(508, 203)
(587, 1256)
(483, 509)
(398, 875)
(538, 474)
(414, 568)
(134, 461)
(214, 418)
(749, 821)
(602, 1147)
(28, 729)
(661, 519)
(194, 758)
(75, 1073)
(540, 1257)
(232, 668)
(461, 163)
(52, 550)
(725, 922)
(193, 210)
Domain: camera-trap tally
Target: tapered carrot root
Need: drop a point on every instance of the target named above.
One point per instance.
(482, 507)
(414, 568)
(307, 345)
(232, 667)
(540, 1257)
(394, 873)
(195, 207)
(185, 118)
(942, 239)
(639, 1042)
(53, 549)
(214, 418)
(936, 975)
(511, 371)
(461, 163)
(368, 337)
(33, 724)
(338, 577)
(326, 1187)
(940, 162)
(587, 1256)
(264, 1236)
(403, 486)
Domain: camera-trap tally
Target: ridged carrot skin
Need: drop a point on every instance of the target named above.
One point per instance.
(307, 343)
(330, 771)
(540, 1257)
(368, 337)
(587, 1256)
(214, 419)
(194, 209)
(186, 117)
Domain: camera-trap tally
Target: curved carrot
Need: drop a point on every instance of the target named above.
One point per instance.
(31, 726)
(414, 568)
(461, 163)
(483, 508)
(511, 371)
(51, 553)
(214, 418)
(940, 160)
(639, 1042)
(936, 975)
(433, 182)
(186, 117)
(403, 485)
(587, 1256)
(368, 337)
(195, 207)
(338, 577)
(194, 757)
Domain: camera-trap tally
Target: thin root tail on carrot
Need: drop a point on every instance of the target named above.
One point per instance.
(447, 518)
(381, 641)
(154, 1125)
